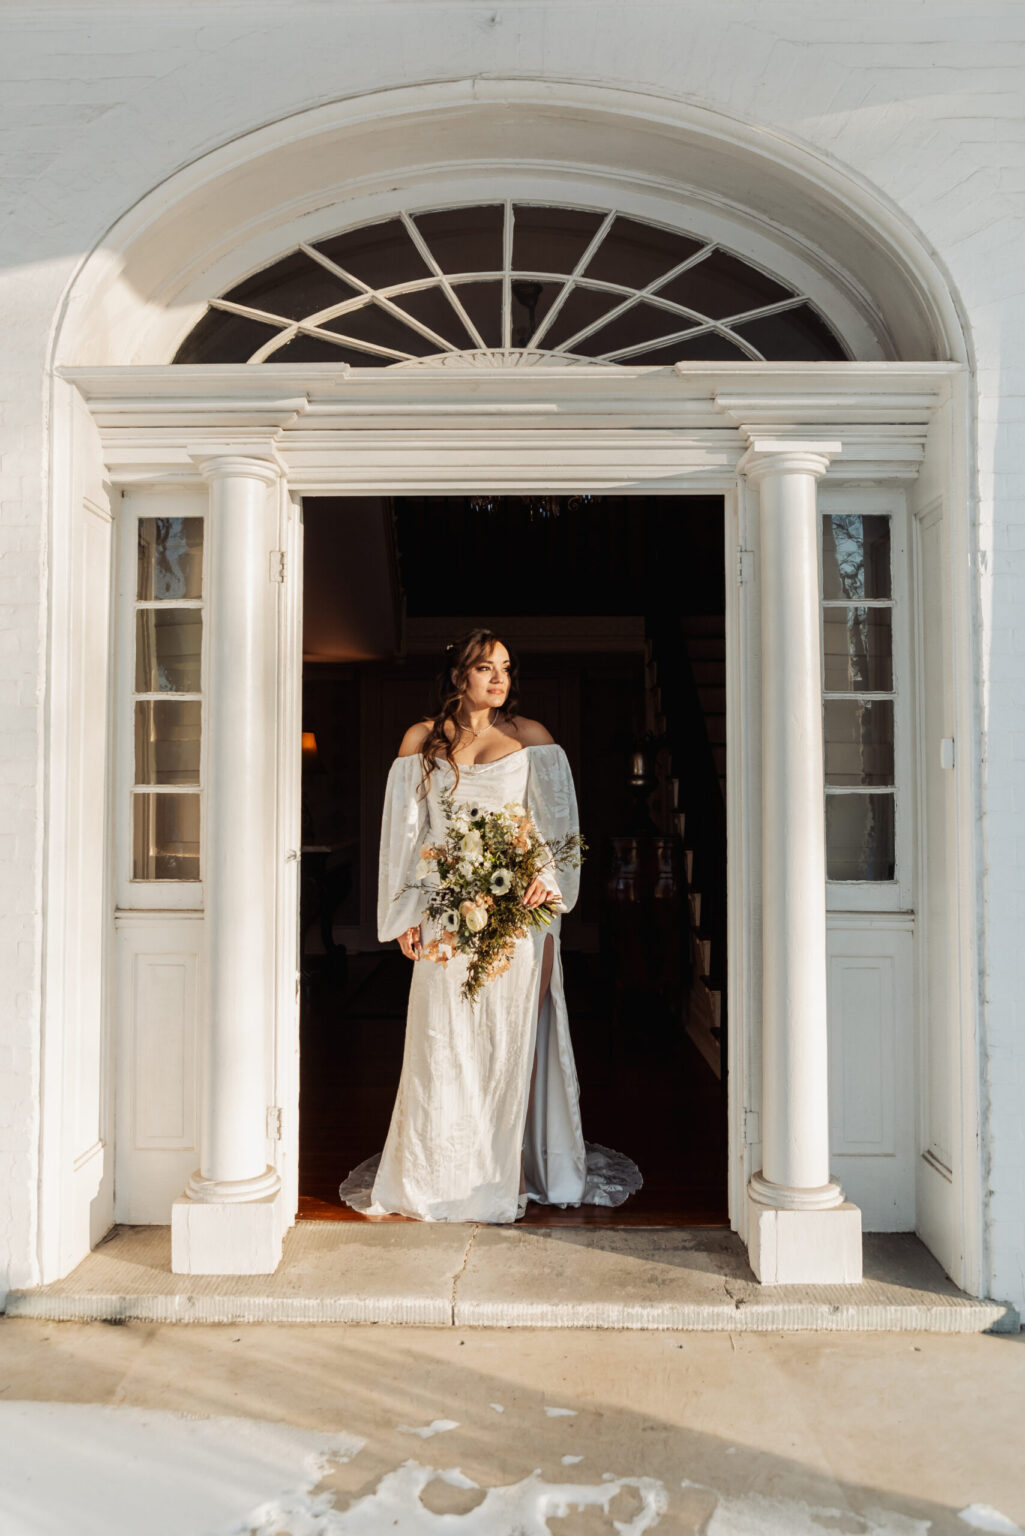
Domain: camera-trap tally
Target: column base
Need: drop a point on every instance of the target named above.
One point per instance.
(229, 1237)
(810, 1247)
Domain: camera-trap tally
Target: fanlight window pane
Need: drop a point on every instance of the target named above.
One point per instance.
(581, 309)
(720, 285)
(165, 837)
(530, 301)
(167, 741)
(381, 329)
(552, 239)
(378, 254)
(170, 558)
(855, 556)
(858, 650)
(859, 741)
(641, 322)
(483, 304)
(464, 239)
(221, 337)
(635, 254)
(168, 645)
(295, 287)
(859, 837)
(432, 307)
(794, 336)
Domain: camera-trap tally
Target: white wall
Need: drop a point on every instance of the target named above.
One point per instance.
(101, 102)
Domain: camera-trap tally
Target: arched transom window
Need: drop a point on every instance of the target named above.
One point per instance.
(510, 284)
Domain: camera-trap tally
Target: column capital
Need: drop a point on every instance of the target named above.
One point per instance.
(786, 456)
(217, 462)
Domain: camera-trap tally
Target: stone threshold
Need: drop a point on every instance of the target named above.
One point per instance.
(501, 1277)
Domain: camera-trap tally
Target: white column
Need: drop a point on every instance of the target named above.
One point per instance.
(800, 1227)
(229, 1220)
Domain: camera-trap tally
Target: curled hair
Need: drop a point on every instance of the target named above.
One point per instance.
(460, 656)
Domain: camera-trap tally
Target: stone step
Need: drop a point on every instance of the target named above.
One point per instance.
(468, 1276)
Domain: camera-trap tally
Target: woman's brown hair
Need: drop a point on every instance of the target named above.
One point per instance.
(460, 656)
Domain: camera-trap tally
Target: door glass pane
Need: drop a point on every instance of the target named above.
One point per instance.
(855, 556)
(859, 837)
(858, 650)
(168, 643)
(165, 837)
(167, 741)
(170, 557)
(859, 741)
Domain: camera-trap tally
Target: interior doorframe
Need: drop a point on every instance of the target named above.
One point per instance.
(675, 430)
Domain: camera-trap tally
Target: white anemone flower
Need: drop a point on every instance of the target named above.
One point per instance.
(450, 921)
(501, 880)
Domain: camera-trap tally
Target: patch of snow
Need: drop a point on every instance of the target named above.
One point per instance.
(518, 1509)
(98, 1470)
(983, 1517)
(571, 1461)
(497, 1407)
(561, 1413)
(425, 1431)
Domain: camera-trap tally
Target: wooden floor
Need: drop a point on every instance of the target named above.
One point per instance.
(645, 1090)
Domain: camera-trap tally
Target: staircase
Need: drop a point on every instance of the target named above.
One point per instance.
(685, 673)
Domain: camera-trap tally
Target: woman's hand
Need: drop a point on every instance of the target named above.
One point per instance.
(537, 892)
(409, 943)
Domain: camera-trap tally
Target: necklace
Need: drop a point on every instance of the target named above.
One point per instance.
(482, 729)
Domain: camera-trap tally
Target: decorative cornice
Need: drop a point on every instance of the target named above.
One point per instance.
(390, 431)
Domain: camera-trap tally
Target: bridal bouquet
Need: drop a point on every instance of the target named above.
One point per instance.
(475, 880)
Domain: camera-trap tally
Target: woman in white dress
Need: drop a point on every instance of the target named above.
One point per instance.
(487, 1112)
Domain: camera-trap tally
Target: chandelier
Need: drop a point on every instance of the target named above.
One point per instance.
(535, 506)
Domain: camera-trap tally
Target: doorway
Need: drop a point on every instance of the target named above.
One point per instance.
(614, 606)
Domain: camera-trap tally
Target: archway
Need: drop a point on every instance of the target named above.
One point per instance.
(251, 203)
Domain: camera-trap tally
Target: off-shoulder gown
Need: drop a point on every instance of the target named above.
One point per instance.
(460, 1120)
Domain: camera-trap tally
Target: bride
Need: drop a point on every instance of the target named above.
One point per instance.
(487, 1110)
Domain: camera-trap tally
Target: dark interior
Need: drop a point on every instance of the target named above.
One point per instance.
(614, 608)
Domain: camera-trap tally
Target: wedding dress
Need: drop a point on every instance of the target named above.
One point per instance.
(460, 1120)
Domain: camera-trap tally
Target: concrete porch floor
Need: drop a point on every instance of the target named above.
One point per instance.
(487, 1277)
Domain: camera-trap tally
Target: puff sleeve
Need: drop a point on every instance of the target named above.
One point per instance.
(552, 803)
(404, 824)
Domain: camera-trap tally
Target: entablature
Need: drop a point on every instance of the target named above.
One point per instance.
(340, 430)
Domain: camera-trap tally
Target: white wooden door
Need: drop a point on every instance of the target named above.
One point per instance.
(283, 1120)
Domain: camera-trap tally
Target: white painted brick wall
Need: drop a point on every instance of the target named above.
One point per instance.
(100, 102)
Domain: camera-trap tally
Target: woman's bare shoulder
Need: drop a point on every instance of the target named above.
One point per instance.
(415, 738)
(532, 733)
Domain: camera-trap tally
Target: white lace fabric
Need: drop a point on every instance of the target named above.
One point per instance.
(460, 1123)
